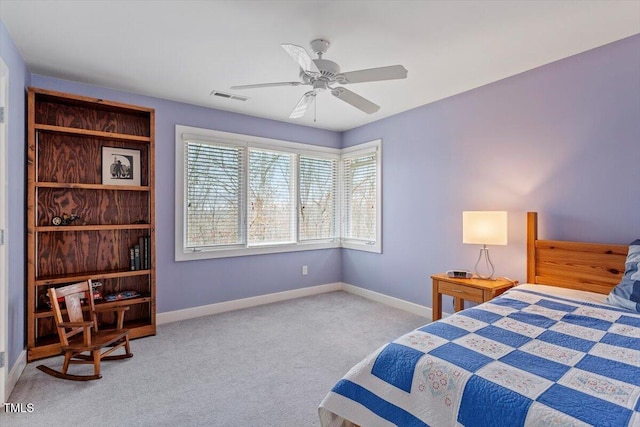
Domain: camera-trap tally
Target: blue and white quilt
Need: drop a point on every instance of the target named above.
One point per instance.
(524, 358)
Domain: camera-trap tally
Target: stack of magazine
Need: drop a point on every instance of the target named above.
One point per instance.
(139, 255)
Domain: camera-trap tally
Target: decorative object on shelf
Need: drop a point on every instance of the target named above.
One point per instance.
(65, 219)
(97, 290)
(97, 295)
(120, 166)
(121, 295)
(484, 228)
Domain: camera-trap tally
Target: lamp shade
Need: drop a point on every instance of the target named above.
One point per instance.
(484, 227)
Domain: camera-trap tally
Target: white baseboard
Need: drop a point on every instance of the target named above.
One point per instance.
(15, 373)
(417, 309)
(222, 307)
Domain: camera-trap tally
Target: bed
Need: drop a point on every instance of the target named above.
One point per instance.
(549, 352)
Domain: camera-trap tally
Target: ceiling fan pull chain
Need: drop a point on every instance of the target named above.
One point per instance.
(315, 105)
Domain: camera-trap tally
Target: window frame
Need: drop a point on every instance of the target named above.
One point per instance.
(188, 133)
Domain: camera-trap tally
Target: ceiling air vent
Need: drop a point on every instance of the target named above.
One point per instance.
(228, 95)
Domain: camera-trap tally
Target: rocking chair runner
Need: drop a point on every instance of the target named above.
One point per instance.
(78, 336)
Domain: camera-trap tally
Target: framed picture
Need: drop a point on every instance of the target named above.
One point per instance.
(120, 166)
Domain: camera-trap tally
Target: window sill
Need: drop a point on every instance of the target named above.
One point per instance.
(374, 247)
(181, 255)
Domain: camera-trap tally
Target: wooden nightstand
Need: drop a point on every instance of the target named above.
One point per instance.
(476, 290)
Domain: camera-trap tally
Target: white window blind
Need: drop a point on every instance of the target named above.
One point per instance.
(214, 201)
(317, 192)
(360, 197)
(271, 197)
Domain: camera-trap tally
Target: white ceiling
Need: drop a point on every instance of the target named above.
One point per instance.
(182, 50)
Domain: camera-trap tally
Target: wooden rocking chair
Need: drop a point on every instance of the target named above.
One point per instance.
(78, 336)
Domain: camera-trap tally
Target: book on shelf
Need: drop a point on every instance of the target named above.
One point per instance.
(136, 250)
(140, 254)
(132, 258)
(144, 243)
(141, 243)
(145, 252)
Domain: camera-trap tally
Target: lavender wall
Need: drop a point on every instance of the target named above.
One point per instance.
(194, 283)
(562, 139)
(19, 78)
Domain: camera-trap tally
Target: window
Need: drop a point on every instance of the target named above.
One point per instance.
(242, 195)
(214, 196)
(318, 189)
(271, 197)
(361, 219)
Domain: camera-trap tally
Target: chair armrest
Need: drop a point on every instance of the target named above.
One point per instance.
(86, 330)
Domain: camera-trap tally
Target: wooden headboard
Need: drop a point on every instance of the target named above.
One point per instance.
(595, 267)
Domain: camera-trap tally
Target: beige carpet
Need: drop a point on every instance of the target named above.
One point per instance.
(264, 366)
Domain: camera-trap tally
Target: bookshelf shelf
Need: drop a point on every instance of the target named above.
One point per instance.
(90, 186)
(43, 313)
(91, 133)
(94, 227)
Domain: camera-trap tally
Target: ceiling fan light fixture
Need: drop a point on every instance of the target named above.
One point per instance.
(320, 85)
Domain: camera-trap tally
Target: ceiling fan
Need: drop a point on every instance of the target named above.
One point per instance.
(321, 74)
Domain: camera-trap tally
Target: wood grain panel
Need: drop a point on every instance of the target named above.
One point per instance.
(581, 264)
(72, 253)
(57, 112)
(584, 247)
(108, 207)
(62, 158)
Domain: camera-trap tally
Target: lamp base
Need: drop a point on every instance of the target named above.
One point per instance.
(484, 256)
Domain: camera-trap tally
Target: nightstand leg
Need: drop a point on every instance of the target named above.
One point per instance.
(458, 304)
(436, 302)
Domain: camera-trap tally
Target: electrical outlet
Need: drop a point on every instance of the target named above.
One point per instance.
(304, 270)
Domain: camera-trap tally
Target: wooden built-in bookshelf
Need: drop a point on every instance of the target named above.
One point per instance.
(66, 136)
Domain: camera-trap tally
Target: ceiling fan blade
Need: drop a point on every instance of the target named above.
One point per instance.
(303, 104)
(267, 85)
(356, 100)
(391, 72)
(300, 55)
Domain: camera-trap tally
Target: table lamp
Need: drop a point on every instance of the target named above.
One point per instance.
(484, 228)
